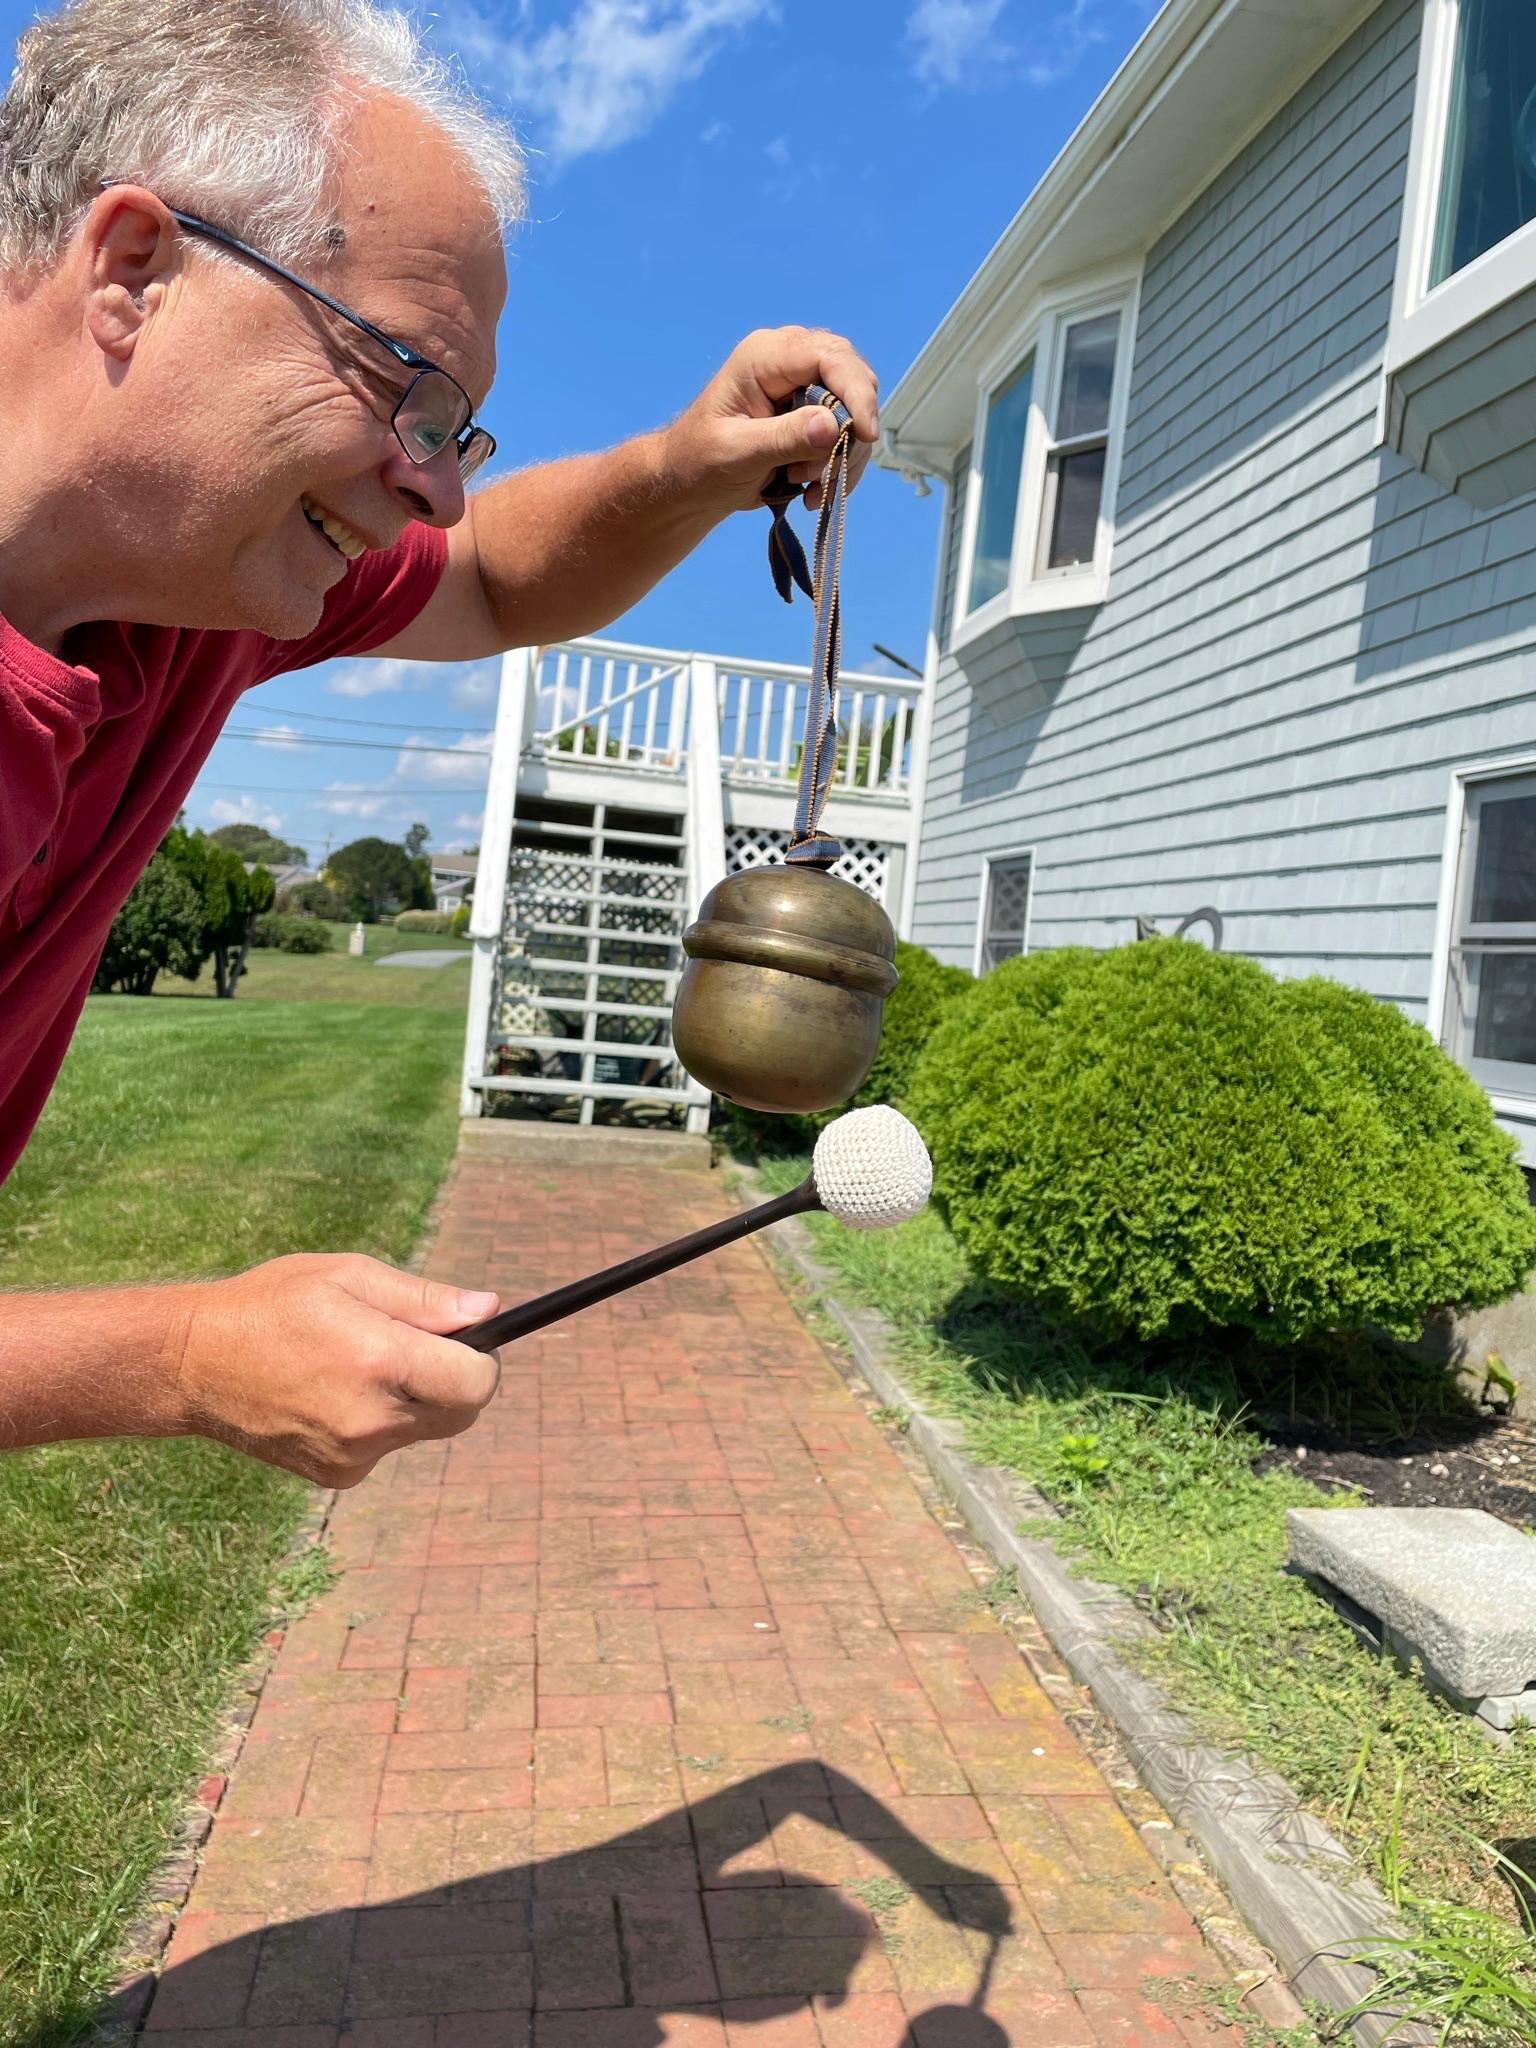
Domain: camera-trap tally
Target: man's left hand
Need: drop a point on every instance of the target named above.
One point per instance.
(727, 444)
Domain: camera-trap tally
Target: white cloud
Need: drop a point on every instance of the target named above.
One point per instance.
(279, 736)
(246, 812)
(947, 38)
(608, 72)
(468, 821)
(353, 800)
(476, 689)
(461, 764)
(777, 151)
(372, 678)
(962, 43)
(717, 131)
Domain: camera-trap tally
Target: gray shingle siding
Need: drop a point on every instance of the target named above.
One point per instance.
(1303, 635)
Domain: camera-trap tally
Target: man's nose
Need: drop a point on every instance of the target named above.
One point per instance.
(432, 492)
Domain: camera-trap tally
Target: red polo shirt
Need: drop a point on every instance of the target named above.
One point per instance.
(98, 748)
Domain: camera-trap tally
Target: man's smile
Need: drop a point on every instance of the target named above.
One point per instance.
(336, 531)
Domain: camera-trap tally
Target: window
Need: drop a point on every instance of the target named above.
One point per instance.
(1490, 1011)
(1488, 163)
(1074, 488)
(1002, 458)
(1004, 928)
(1042, 480)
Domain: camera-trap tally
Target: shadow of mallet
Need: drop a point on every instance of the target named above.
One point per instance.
(961, 2026)
(870, 1170)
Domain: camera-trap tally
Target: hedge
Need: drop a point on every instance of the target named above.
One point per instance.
(1160, 1139)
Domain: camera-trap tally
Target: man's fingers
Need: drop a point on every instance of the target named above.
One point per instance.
(408, 1298)
(438, 1375)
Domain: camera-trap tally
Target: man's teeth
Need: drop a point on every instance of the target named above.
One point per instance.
(334, 530)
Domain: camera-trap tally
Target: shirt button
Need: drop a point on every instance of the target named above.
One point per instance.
(41, 855)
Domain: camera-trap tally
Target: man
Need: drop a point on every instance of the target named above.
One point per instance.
(250, 271)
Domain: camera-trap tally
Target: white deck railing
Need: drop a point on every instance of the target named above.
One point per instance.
(629, 708)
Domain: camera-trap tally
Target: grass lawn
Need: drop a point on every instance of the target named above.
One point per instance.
(384, 938)
(1151, 1455)
(186, 1136)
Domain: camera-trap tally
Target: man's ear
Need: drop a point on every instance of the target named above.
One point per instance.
(127, 250)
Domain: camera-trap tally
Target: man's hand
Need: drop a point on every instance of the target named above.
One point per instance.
(733, 437)
(320, 1364)
(324, 1364)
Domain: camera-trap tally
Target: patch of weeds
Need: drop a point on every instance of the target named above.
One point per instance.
(795, 1722)
(1002, 1589)
(899, 1419)
(1223, 2003)
(883, 1896)
(304, 1579)
(710, 1761)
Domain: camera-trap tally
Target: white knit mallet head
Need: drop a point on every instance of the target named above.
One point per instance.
(871, 1169)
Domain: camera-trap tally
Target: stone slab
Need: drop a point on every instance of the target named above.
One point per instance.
(1456, 1584)
(551, 1144)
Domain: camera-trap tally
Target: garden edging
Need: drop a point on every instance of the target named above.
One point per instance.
(1294, 1883)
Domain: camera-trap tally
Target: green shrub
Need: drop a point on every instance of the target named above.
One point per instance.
(424, 920)
(1160, 1139)
(311, 899)
(458, 923)
(912, 1010)
(292, 934)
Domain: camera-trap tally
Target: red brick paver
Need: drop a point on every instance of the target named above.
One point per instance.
(659, 1709)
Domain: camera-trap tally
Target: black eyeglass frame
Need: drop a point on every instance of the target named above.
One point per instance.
(475, 444)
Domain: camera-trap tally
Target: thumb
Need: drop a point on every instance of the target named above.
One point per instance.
(805, 435)
(430, 1305)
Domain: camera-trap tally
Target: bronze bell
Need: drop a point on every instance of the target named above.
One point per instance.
(779, 1005)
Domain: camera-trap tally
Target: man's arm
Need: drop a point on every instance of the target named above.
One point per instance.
(321, 1364)
(560, 550)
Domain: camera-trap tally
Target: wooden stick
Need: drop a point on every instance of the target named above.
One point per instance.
(528, 1316)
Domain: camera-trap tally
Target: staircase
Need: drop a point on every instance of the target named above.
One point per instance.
(597, 898)
(624, 783)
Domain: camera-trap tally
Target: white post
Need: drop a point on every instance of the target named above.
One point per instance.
(706, 820)
(514, 710)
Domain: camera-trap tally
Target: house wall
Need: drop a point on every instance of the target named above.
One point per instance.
(1303, 634)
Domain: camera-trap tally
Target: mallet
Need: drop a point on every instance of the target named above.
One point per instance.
(870, 1170)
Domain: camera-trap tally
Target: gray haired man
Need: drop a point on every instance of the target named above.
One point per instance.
(250, 271)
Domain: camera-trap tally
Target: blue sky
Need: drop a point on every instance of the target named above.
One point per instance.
(697, 168)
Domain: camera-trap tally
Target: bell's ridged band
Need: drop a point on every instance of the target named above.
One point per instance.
(792, 953)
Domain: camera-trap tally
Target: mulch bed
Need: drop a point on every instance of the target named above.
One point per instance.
(1470, 1463)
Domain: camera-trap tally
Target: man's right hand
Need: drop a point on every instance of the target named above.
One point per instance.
(325, 1363)
(319, 1363)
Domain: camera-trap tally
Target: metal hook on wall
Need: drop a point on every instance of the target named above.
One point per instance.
(1147, 929)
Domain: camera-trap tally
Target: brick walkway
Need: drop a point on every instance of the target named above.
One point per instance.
(658, 1709)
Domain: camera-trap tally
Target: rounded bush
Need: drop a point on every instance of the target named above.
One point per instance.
(291, 934)
(1161, 1139)
(458, 922)
(424, 921)
(912, 1010)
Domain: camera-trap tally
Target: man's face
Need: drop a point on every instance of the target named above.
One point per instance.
(258, 414)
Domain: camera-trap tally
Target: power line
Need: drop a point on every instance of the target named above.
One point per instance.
(383, 724)
(297, 789)
(320, 739)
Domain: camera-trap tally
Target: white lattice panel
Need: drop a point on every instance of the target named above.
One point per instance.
(865, 862)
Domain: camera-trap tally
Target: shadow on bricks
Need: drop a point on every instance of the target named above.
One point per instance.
(601, 1945)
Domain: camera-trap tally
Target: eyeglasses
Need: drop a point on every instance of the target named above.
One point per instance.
(434, 408)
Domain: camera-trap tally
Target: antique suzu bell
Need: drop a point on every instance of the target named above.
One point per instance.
(779, 1006)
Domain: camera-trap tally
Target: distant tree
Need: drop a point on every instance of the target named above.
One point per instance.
(255, 842)
(423, 897)
(230, 900)
(372, 874)
(159, 929)
(416, 839)
(311, 899)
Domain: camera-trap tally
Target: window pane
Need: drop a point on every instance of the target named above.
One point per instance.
(1493, 1012)
(1001, 459)
(1007, 910)
(1504, 887)
(1088, 377)
(1079, 487)
(1488, 181)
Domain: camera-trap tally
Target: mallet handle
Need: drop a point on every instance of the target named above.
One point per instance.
(528, 1316)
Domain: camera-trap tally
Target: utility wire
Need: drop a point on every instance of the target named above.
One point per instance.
(321, 739)
(383, 724)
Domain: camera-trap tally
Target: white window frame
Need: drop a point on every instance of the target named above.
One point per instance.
(988, 862)
(1511, 769)
(1424, 318)
(1030, 590)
